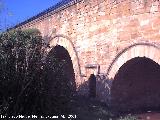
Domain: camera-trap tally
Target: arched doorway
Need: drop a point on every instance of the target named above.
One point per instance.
(136, 86)
(60, 72)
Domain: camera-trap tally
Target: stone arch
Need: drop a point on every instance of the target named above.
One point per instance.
(66, 42)
(136, 86)
(148, 50)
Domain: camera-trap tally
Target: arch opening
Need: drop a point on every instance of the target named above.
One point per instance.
(66, 42)
(136, 86)
(144, 49)
(60, 72)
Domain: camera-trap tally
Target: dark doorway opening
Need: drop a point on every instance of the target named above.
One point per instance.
(136, 86)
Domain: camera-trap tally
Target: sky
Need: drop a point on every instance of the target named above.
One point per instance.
(15, 11)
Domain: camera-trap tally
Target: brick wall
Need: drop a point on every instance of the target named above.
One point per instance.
(100, 29)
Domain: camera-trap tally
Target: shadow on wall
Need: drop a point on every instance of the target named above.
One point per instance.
(97, 87)
(136, 86)
(103, 88)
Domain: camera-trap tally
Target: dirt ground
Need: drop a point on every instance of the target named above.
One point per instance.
(149, 116)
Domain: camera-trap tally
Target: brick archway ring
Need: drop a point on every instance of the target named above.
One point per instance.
(144, 49)
(66, 42)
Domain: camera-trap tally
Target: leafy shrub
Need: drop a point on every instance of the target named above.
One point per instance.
(24, 88)
(20, 72)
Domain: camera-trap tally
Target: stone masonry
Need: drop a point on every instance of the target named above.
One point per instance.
(101, 35)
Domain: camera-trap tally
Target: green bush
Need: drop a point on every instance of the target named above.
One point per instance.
(24, 88)
(20, 72)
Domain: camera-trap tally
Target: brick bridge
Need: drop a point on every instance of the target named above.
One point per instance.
(117, 40)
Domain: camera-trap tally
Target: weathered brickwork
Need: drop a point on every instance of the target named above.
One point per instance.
(99, 32)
